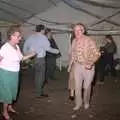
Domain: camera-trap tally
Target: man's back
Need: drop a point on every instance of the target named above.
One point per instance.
(38, 42)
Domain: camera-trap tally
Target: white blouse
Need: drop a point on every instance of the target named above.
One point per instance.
(11, 58)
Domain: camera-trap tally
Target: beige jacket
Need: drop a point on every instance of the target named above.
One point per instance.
(85, 51)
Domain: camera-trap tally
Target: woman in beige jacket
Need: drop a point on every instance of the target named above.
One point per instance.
(84, 53)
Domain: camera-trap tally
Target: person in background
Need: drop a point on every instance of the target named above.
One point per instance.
(10, 57)
(100, 67)
(51, 57)
(84, 56)
(0, 39)
(71, 80)
(40, 43)
(110, 50)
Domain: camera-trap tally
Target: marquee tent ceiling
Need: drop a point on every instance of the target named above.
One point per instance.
(20, 11)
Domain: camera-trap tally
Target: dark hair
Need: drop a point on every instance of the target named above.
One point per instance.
(112, 41)
(81, 24)
(72, 37)
(109, 37)
(39, 28)
(12, 29)
(47, 30)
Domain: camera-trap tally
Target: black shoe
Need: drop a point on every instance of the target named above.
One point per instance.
(100, 82)
(42, 96)
(71, 97)
(52, 78)
(46, 82)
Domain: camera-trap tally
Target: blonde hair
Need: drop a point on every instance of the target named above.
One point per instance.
(81, 24)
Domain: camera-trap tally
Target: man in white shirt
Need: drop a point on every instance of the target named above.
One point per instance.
(40, 44)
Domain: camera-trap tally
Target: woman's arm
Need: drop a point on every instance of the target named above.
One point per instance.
(93, 55)
(28, 56)
(70, 65)
(71, 54)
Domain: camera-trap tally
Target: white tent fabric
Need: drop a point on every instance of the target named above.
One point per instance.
(22, 10)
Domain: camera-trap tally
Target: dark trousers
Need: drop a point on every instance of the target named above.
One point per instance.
(109, 61)
(50, 67)
(105, 65)
(39, 74)
(100, 69)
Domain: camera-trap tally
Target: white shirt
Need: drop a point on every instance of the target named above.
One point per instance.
(11, 58)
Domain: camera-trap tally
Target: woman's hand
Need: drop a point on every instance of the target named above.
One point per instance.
(70, 65)
(69, 68)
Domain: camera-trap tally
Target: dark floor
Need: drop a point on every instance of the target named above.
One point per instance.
(105, 103)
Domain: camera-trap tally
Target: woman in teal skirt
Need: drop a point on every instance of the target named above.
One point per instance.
(10, 57)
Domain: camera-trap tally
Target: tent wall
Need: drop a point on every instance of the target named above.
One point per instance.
(3, 34)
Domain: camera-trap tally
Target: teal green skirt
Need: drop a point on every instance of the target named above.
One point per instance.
(8, 86)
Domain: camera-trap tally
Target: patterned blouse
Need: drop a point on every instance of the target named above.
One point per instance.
(85, 51)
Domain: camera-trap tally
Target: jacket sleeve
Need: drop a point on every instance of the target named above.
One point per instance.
(73, 51)
(93, 53)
